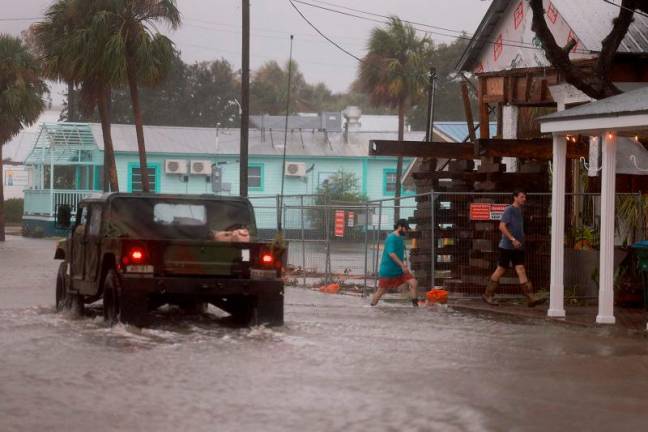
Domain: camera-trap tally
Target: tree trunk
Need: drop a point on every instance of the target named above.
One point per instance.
(131, 71)
(71, 117)
(595, 84)
(110, 182)
(399, 164)
(2, 219)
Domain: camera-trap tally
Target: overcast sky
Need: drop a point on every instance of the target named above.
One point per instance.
(212, 29)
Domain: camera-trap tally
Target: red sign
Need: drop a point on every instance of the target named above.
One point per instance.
(480, 211)
(339, 223)
(497, 210)
(486, 211)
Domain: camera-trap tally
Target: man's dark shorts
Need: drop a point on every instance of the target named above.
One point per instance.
(510, 256)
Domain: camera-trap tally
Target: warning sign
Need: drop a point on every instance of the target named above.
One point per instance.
(339, 223)
(486, 212)
(480, 211)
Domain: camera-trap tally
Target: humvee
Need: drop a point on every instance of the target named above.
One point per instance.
(137, 252)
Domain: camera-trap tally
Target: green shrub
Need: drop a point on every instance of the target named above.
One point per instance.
(13, 209)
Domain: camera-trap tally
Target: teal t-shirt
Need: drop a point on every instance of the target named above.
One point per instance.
(393, 244)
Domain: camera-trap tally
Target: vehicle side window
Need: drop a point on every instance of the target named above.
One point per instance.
(95, 221)
(82, 220)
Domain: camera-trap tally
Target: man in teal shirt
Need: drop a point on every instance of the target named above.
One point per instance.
(393, 269)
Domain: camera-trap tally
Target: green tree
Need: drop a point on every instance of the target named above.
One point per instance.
(395, 73)
(21, 98)
(70, 48)
(135, 52)
(341, 188)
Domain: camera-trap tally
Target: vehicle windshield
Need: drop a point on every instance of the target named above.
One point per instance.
(181, 219)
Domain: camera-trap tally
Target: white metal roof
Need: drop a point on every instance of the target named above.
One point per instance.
(207, 141)
(590, 20)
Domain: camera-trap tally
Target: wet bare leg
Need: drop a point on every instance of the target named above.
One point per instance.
(521, 272)
(499, 272)
(412, 284)
(377, 295)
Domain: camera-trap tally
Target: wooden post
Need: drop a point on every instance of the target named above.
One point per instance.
(468, 111)
(484, 126)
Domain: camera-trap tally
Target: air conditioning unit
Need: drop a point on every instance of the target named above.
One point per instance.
(175, 166)
(201, 167)
(295, 169)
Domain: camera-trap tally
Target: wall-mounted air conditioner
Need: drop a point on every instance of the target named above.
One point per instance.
(295, 169)
(201, 167)
(175, 166)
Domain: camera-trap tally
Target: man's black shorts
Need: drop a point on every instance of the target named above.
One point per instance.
(510, 256)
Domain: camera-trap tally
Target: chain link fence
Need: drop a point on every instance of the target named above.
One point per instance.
(342, 242)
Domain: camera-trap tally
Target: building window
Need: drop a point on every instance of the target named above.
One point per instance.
(389, 182)
(323, 177)
(135, 178)
(255, 177)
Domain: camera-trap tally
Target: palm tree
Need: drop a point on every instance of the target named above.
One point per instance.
(394, 73)
(135, 51)
(70, 48)
(21, 97)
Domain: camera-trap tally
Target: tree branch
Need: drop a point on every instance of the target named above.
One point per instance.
(595, 84)
(611, 43)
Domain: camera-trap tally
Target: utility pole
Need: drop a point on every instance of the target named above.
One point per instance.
(245, 100)
(283, 161)
(429, 130)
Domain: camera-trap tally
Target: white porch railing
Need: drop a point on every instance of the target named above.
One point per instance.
(39, 202)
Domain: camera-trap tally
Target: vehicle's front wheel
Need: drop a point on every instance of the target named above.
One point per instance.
(111, 294)
(62, 301)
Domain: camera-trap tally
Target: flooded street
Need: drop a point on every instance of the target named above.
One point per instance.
(337, 365)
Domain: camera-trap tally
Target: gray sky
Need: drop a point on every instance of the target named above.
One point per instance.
(212, 29)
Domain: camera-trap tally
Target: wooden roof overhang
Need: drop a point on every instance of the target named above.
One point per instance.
(538, 149)
(530, 86)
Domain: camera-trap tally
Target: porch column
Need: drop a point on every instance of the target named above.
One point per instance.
(557, 289)
(606, 264)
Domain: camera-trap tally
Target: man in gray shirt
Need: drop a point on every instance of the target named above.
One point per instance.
(511, 251)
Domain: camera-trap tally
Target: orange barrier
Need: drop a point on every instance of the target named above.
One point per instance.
(330, 289)
(437, 296)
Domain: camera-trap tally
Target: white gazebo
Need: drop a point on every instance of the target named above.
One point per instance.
(607, 121)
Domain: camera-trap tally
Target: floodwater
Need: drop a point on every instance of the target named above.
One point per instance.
(337, 365)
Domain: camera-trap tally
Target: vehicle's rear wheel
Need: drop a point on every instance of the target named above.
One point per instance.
(120, 306)
(250, 311)
(62, 300)
(268, 311)
(111, 293)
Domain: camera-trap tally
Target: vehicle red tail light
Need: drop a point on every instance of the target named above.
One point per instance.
(267, 259)
(136, 255)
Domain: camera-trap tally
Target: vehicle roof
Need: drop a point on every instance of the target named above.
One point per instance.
(109, 196)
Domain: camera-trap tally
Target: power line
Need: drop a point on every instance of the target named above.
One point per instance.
(463, 35)
(388, 17)
(620, 6)
(323, 35)
(21, 19)
(292, 3)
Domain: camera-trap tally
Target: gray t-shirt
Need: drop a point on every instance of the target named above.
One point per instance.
(514, 221)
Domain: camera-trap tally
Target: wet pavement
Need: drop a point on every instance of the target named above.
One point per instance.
(337, 365)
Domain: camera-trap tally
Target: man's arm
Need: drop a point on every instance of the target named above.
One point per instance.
(507, 233)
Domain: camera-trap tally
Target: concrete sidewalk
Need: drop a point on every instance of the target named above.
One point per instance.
(627, 319)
